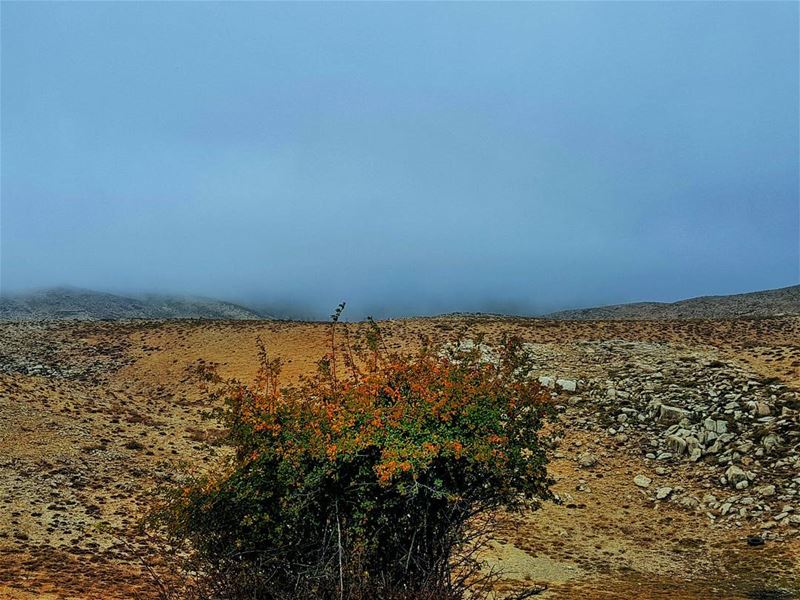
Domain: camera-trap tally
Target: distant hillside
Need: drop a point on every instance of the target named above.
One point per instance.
(769, 303)
(73, 303)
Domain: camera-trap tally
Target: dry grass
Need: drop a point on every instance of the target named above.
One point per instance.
(80, 452)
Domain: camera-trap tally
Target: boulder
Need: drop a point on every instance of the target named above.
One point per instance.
(717, 426)
(676, 444)
(568, 385)
(771, 441)
(760, 409)
(734, 475)
(765, 490)
(669, 415)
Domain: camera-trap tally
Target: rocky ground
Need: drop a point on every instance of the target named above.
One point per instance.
(728, 429)
(675, 454)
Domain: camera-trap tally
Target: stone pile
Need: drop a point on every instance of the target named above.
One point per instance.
(738, 432)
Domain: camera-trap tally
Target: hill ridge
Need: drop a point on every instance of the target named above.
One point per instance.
(764, 303)
(67, 302)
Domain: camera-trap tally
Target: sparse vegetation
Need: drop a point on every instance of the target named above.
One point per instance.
(73, 494)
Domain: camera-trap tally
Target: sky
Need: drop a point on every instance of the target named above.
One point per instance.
(410, 158)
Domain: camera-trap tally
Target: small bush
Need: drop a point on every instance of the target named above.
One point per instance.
(134, 445)
(364, 480)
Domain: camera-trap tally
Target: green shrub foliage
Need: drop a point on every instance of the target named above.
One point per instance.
(365, 479)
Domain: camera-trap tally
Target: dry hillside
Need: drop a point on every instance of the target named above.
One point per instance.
(676, 457)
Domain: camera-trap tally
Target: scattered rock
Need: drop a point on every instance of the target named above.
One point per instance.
(672, 414)
(734, 475)
(546, 381)
(730, 428)
(568, 385)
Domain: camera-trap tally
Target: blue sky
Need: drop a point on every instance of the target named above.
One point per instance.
(410, 158)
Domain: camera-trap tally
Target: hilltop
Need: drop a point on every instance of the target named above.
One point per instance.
(768, 303)
(89, 305)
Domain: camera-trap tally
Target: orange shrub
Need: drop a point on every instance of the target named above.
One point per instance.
(361, 482)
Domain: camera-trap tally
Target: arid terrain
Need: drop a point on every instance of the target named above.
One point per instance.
(676, 452)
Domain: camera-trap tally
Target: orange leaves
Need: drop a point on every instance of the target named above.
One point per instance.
(457, 448)
(496, 440)
(386, 471)
(331, 451)
(330, 411)
(266, 426)
(430, 448)
(412, 410)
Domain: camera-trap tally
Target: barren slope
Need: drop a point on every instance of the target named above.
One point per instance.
(96, 415)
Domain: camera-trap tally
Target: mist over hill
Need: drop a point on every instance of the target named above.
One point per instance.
(63, 303)
(767, 303)
(74, 303)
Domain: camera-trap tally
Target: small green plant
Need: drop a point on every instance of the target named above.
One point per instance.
(365, 479)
